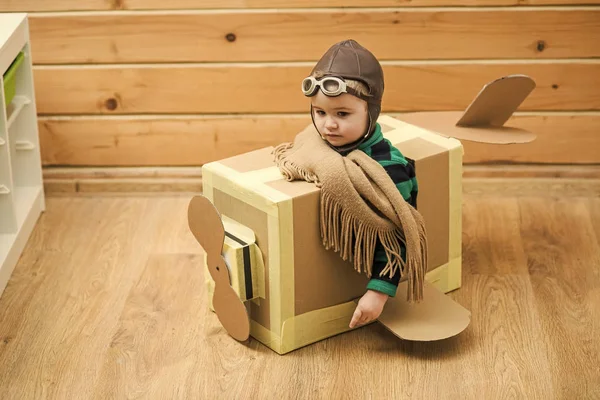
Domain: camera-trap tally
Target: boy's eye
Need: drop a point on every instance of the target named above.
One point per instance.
(320, 112)
(342, 113)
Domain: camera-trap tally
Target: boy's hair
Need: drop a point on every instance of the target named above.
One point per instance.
(358, 86)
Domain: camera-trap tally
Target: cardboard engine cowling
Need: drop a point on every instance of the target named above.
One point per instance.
(294, 292)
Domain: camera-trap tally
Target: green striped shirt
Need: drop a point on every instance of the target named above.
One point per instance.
(402, 172)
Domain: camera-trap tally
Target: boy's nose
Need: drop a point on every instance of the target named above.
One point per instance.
(330, 123)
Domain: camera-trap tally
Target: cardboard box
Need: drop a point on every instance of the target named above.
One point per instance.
(295, 291)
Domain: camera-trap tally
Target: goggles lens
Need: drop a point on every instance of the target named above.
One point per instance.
(330, 86)
(308, 85)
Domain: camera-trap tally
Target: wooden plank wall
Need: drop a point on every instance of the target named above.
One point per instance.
(181, 83)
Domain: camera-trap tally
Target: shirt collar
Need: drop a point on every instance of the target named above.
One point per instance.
(375, 137)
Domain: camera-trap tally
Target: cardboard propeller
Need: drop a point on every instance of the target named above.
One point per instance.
(206, 226)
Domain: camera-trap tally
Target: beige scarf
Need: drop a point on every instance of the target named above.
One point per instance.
(359, 204)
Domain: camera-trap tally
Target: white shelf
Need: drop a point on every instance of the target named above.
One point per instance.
(25, 200)
(15, 108)
(21, 186)
(29, 201)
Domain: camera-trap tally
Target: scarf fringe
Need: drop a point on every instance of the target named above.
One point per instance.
(340, 230)
(409, 268)
(290, 170)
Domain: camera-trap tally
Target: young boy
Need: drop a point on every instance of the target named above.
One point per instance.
(345, 89)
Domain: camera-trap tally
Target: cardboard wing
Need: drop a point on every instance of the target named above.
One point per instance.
(437, 317)
(484, 119)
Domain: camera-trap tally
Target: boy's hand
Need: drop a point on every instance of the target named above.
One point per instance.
(369, 308)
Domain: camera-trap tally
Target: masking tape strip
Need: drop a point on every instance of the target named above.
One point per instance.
(247, 195)
(207, 185)
(241, 231)
(455, 231)
(438, 278)
(399, 132)
(400, 135)
(416, 131)
(446, 278)
(264, 175)
(258, 271)
(454, 274)
(316, 325)
(274, 274)
(389, 121)
(257, 331)
(265, 336)
(286, 255)
(251, 191)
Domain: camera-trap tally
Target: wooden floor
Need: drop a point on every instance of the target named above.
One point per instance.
(108, 302)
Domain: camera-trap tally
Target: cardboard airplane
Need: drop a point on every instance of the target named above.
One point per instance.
(258, 283)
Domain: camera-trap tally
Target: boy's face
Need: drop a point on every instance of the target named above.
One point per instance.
(340, 120)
